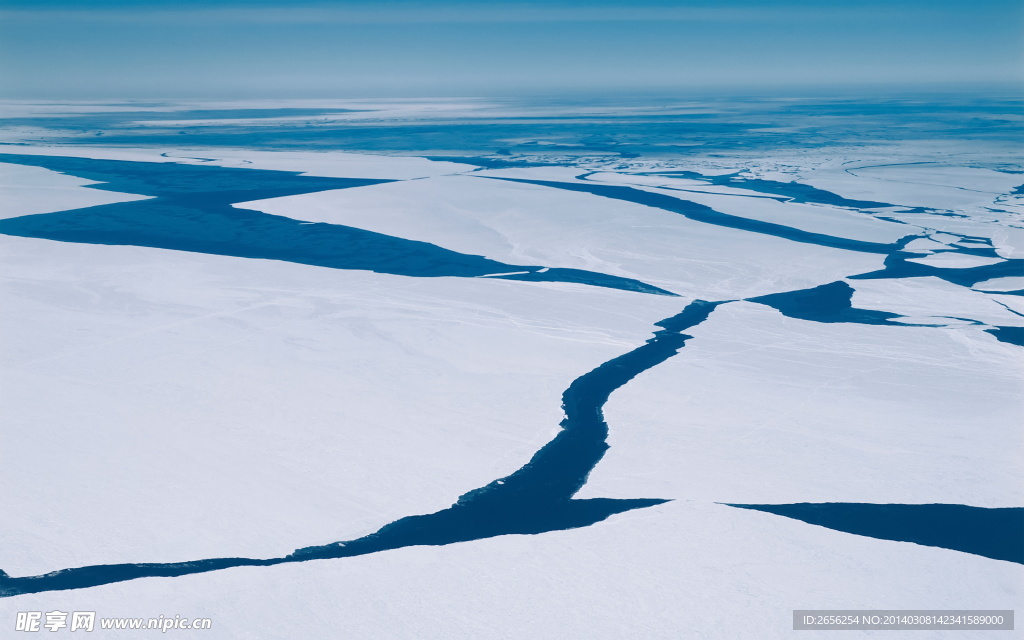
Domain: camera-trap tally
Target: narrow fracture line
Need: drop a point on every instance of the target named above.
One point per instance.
(535, 499)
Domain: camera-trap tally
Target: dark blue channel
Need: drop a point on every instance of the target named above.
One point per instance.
(192, 211)
(898, 265)
(992, 533)
(833, 303)
(896, 262)
(1009, 335)
(792, 191)
(703, 213)
(482, 162)
(535, 499)
(828, 303)
(213, 184)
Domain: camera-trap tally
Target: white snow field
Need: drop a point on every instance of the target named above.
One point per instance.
(168, 406)
(679, 570)
(531, 224)
(183, 406)
(30, 190)
(918, 184)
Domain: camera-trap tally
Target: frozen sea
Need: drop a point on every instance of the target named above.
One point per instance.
(479, 368)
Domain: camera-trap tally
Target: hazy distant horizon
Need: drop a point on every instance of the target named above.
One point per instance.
(225, 49)
(739, 91)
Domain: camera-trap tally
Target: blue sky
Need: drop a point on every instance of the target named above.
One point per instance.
(115, 49)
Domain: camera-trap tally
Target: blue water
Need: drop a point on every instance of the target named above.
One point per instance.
(192, 212)
(1009, 335)
(992, 533)
(896, 262)
(483, 162)
(792, 191)
(535, 499)
(648, 126)
(206, 184)
(828, 303)
(898, 266)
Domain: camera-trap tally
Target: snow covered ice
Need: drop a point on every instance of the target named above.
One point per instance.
(176, 394)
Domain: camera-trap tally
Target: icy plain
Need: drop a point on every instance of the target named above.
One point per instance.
(168, 406)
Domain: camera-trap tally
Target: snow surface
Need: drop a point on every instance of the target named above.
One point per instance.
(29, 190)
(926, 184)
(815, 218)
(946, 260)
(680, 570)
(761, 408)
(1011, 283)
(171, 406)
(531, 224)
(232, 407)
(934, 298)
